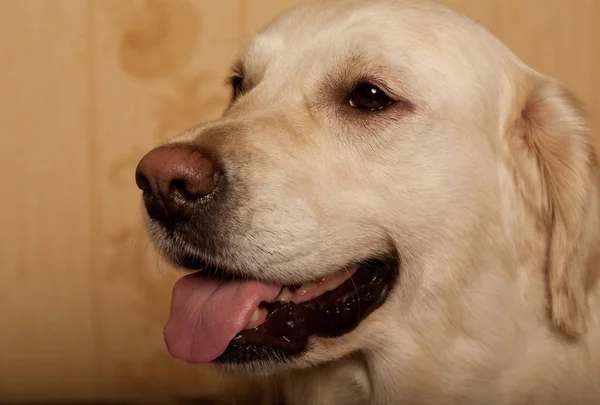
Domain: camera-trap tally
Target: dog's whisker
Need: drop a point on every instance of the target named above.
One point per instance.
(357, 293)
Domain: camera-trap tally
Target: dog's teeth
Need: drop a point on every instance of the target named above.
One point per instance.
(255, 315)
(284, 295)
(305, 288)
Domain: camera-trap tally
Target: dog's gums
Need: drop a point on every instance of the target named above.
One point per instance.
(229, 321)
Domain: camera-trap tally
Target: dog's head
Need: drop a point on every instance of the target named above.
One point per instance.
(379, 162)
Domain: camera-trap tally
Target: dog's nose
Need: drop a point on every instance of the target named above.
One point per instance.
(174, 179)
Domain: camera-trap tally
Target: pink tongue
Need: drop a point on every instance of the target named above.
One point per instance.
(207, 313)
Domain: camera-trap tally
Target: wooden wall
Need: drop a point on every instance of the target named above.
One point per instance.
(86, 87)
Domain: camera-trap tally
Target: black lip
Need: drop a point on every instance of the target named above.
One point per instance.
(288, 326)
(191, 263)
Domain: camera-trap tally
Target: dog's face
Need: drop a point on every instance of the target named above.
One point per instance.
(359, 169)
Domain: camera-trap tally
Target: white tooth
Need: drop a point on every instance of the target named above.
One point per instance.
(284, 295)
(255, 315)
(305, 288)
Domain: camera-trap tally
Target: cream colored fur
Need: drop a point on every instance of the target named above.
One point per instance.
(483, 178)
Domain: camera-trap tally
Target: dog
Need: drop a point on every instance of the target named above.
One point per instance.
(393, 209)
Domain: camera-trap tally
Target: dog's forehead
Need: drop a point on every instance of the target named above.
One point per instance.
(308, 42)
(323, 26)
(440, 53)
(300, 34)
(414, 32)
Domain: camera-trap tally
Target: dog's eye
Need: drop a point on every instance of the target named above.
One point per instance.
(237, 85)
(369, 97)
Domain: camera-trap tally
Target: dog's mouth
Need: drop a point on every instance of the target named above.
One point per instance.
(222, 319)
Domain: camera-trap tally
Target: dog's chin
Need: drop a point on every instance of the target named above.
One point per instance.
(268, 367)
(284, 337)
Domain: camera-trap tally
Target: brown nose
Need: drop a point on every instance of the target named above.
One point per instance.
(174, 180)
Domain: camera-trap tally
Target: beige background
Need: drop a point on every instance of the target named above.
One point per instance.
(86, 87)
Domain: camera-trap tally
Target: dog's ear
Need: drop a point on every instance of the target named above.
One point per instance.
(557, 174)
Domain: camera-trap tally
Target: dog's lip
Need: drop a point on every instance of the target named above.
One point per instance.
(308, 291)
(286, 331)
(212, 312)
(304, 292)
(195, 264)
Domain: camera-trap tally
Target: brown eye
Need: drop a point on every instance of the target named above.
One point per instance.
(237, 84)
(369, 97)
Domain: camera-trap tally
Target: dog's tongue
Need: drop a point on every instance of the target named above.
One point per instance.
(206, 313)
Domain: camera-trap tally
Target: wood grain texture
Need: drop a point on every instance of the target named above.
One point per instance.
(46, 339)
(87, 88)
(158, 69)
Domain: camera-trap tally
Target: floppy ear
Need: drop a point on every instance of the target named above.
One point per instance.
(557, 174)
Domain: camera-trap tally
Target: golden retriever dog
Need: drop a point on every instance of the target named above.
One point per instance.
(394, 209)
